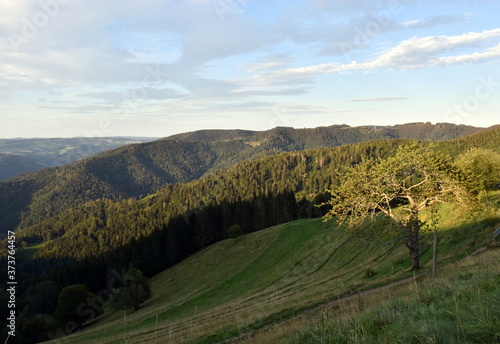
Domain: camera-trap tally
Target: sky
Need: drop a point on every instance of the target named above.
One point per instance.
(88, 68)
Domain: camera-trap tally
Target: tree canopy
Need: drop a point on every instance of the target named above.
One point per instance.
(482, 166)
(73, 305)
(399, 187)
(137, 291)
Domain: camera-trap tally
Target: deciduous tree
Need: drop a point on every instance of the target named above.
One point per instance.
(73, 305)
(482, 166)
(399, 187)
(137, 291)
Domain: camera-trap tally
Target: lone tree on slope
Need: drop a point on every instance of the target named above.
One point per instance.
(400, 187)
(137, 291)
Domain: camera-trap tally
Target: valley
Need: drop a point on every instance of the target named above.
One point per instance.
(25, 155)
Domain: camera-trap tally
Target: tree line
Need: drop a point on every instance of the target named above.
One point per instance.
(142, 169)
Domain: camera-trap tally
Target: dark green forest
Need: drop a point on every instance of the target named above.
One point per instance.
(269, 191)
(142, 169)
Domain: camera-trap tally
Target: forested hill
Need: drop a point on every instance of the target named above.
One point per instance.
(335, 134)
(142, 169)
(85, 244)
(159, 230)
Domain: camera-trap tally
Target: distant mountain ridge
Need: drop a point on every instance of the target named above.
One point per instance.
(252, 194)
(141, 169)
(25, 155)
(417, 130)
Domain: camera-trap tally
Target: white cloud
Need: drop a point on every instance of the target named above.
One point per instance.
(412, 53)
(218, 54)
(488, 55)
(151, 47)
(334, 37)
(434, 21)
(378, 99)
(89, 42)
(424, 52)
(272, 62)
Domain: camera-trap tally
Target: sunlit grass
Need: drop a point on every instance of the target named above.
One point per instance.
(259, 285)
(28, 251)
(453, 308)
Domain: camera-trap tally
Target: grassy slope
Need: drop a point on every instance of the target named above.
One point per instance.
(28, 252)
(240, 285)
(460, 305)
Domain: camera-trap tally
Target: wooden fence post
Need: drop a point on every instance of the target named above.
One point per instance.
(434, 253)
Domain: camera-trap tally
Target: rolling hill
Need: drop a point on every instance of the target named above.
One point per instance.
(13, 164)
(183, 218)
(336, 134)
(141, 169)
(25, 155)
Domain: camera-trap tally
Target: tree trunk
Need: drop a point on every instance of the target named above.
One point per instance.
(414, 254)
(412, 240)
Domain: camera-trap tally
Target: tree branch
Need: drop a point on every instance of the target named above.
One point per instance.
(428, 202)
(419, 183)
(390, 242)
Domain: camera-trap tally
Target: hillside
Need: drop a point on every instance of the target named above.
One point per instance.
(459, 305)
(84, 244)
(308, 138)
(12, 164)
(129, 171)
(139, 170)
(25, 155)
(184, 218)
(239, 286)
(254, 194)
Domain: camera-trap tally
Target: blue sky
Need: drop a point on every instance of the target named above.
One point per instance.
(159, 67)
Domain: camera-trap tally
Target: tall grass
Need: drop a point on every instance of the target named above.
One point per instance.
(459, 307)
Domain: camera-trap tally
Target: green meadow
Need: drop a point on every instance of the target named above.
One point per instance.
(310, 281)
